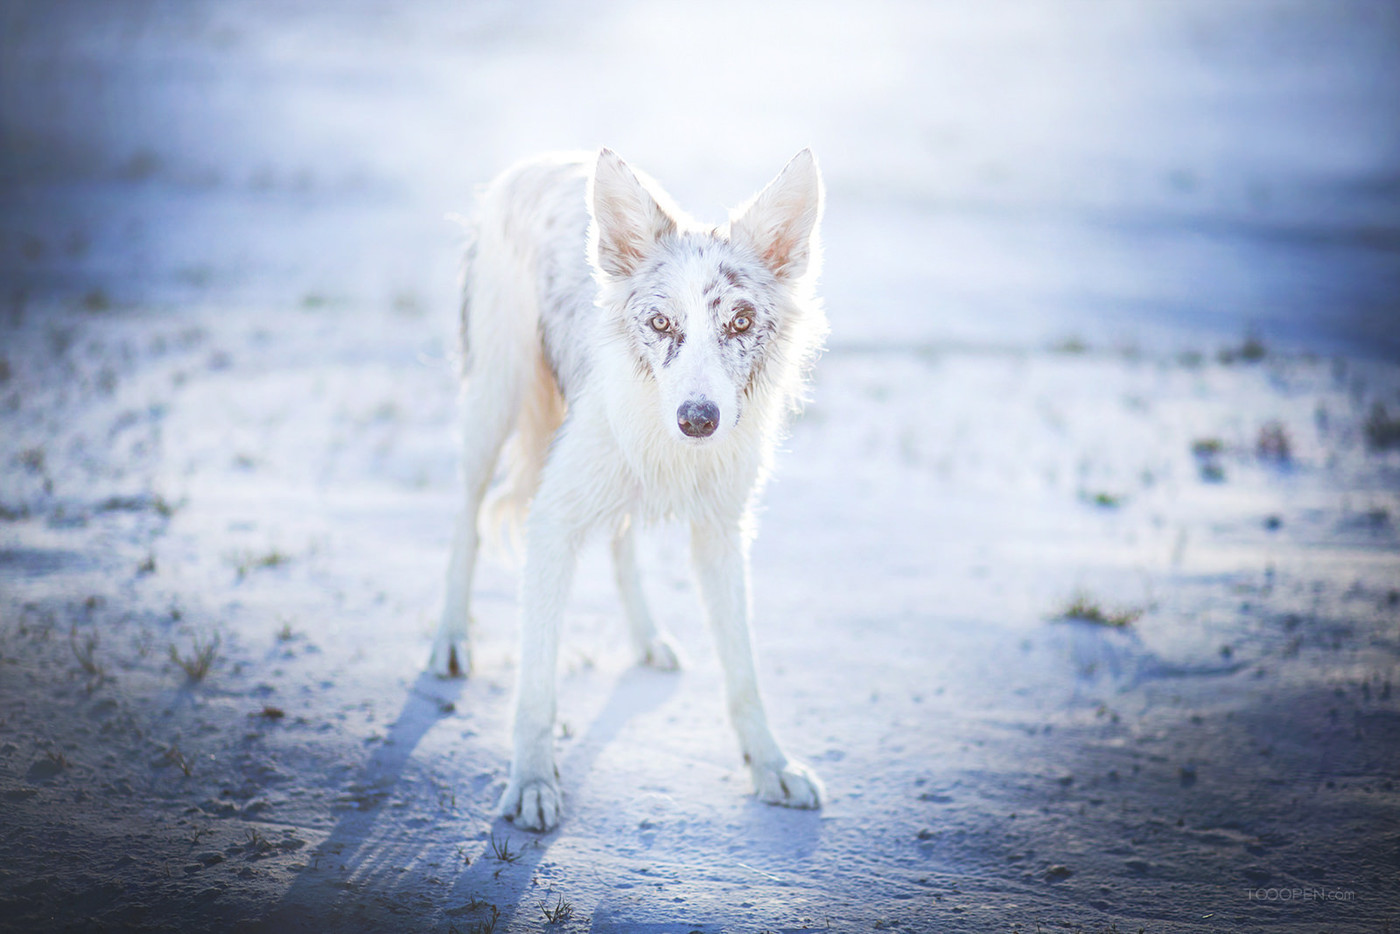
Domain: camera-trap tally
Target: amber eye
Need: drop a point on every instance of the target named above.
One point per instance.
(660, 322)
(740, 322)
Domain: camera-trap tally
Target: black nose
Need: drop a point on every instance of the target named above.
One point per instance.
(698, 419)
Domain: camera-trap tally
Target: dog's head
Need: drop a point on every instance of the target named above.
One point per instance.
(704, 312)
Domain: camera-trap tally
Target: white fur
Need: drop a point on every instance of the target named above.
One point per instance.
(577, 263)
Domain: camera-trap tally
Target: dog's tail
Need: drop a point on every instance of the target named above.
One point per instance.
(508, 504)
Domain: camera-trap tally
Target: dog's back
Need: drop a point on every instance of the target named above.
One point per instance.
(527, 296)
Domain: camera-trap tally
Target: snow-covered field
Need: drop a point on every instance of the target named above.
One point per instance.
(1112, 288)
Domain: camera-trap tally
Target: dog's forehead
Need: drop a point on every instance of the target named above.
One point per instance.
(698, 271)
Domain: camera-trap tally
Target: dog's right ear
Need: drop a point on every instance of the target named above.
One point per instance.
(627, 221)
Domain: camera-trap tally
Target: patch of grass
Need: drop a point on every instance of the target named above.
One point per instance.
(1085, 609)
(32, 459)
(1274, 444)
(247, 561)
(1071, 345)
(270, 712)
(1251, 351)
(257, 842)
(85, 651)
(148, 566)
(285, 633)
(1190, 359)
(489, 925)
(314, 300)
(96, 300)
(500, 851)
(561, 912)
(1103, 499)
(173, 756)
(196, 665)
(1207, 452)
(1382, 431)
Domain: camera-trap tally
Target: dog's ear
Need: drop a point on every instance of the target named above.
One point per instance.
(627, 220)
(781, 220)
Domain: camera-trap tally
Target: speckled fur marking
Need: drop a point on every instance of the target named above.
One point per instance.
(732, 283)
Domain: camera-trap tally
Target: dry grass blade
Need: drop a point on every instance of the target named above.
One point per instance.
(500, 851)
(85, 651)
(173, 756)
(561, 912)
(1085, 609)
(196, 665)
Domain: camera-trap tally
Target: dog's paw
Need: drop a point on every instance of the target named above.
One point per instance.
(451, 658)
(789, 783)
(534, 805)
(661, 654)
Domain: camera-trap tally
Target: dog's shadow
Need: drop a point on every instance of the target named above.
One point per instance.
(504, 880)
(321, 897)
(349, 879)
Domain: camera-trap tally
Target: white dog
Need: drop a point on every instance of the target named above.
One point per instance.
(645, 365)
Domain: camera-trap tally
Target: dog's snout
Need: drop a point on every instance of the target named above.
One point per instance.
(698, 418)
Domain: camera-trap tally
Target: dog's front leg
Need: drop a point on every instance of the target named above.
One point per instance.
(654, 648)
(722, 566)
(532, 798)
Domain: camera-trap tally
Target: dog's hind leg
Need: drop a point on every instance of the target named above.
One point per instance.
(722, 565)
(654, 648)
(488, 415)
(501, 343)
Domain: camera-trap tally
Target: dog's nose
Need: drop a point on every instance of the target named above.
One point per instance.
(698, 419)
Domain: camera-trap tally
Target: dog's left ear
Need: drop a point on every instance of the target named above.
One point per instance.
(781, 220)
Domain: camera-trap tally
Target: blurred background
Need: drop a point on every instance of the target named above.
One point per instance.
(1006, 173)
(1077, 577)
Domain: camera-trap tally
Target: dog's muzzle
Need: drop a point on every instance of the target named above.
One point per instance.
(698, 419)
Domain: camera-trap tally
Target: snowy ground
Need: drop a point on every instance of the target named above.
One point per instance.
(1067, 243)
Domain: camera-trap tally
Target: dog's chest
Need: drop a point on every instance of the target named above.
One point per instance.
(669, 481)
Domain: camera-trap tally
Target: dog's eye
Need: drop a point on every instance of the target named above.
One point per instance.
(660, 322)
(740, 322)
